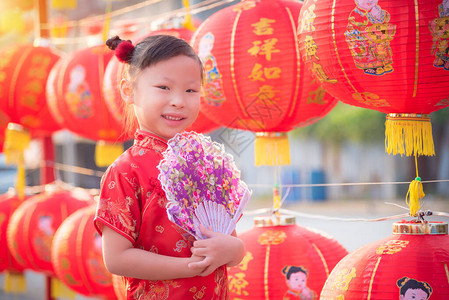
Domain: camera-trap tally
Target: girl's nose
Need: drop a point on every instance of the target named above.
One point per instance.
(177, 100)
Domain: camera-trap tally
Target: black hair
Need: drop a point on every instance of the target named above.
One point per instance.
(406, 283)
(289, 270)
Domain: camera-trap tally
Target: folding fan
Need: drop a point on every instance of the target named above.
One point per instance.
(202, 184)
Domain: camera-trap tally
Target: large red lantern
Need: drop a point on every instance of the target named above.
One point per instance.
(283, 261)
(24, 71)
(33, 224)
(4, 120)
(390, 56)
(410, 264)
(254, 77)
(77, 102)
(77, 258)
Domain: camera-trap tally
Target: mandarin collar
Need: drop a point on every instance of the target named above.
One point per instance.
(149, 140)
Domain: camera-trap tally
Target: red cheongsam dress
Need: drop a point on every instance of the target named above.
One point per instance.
(132, 203)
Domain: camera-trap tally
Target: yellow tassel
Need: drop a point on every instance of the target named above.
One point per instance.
(106, 153)
(188, 24)
(272, 149)
(409, 134)
(15, 283)
(16, 141)
(63, 4)
(276, 198)
(414, 196)
(60, 290)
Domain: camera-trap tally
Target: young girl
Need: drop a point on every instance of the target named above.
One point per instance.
(158, 259)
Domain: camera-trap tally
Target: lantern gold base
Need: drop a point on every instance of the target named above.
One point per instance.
(420, 228)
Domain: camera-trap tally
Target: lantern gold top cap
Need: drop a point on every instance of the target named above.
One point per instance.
(420, 228)
(274, 220)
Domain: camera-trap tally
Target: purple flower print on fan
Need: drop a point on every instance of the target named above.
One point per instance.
(200, 178)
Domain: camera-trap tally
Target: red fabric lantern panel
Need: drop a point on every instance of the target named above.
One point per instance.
(8, 202)
(410, 264)
(76, 254)
(33, 224)
(390, 56)
(278, 257)
(254, 78)
(23, 76)
(75, 96)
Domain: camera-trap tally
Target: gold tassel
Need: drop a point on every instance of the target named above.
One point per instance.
(106, 153)
(60, 290)
(415, 194)
(17, 139)
(15, 283)
(63, 4)
(409, 134)
(188, 24)
(272, 149)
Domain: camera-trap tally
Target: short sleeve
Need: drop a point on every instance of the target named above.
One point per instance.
(118, 206)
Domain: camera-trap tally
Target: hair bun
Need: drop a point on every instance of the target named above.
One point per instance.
(123, 49)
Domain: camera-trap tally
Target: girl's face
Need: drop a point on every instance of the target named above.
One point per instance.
(166, 96)
(297, 281)
(414, 294)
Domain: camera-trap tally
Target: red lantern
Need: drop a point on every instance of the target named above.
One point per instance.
(254, 77)
(77, 103)
(412, 261)
(33, 224)
(14, 279)
(77, 256)
(8, 202)
(23, 76)
(385, 55)
(279, 255)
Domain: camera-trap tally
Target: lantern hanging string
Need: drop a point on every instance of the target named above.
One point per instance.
(182, 12)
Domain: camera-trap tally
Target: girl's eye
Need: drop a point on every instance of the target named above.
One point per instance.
(190, 91)
(163, 87)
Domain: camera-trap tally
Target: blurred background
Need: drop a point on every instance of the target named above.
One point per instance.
(339, 167)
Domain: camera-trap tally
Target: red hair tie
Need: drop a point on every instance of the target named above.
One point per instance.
(123, 49)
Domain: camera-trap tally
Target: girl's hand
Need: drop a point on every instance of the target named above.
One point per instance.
(218, 249)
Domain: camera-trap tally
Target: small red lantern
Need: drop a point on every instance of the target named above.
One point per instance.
(77, 103)
(77, 256)
(33, 224)
(412, 261)
(283, 261)
(254, 77)
(23, 76)
(384, 55)
(15, 281)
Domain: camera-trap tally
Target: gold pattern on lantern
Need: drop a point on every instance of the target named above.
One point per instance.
(272, 237)
(265, 47)
(318, 71)
(371, 99)
(266, 95)
(311, 47)
(260, 73)
(307, 19)
(243, 265)
(343, 278)
(238, 284)
(244, 5)
(317, 95)
(263, 27)
(391, 247)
